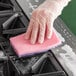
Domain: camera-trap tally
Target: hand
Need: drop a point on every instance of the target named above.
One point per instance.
(42, 20)
(41, 23)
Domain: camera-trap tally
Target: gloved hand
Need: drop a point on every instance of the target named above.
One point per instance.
(42, 20)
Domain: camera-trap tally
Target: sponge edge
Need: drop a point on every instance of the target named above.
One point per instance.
(23, 47)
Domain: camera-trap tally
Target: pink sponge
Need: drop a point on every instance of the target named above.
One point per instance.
(23, 47)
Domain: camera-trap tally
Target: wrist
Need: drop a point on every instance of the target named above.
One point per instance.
(57, 5)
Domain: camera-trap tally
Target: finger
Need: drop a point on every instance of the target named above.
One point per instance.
(49, 28)
(28, 32)
(34, 33)
(30, 27)
(42, 29)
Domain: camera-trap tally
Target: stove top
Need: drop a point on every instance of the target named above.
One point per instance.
(58, 61)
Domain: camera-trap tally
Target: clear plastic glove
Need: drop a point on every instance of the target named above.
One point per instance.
(42, 20)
